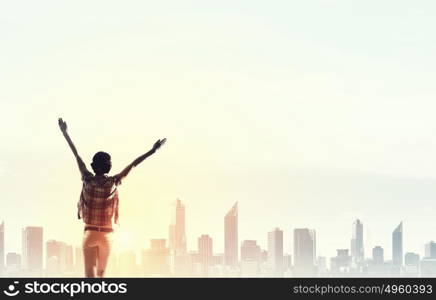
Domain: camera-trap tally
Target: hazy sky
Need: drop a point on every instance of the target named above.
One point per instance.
(309, 113)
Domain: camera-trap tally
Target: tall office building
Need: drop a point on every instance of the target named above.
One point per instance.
(430, 250)
(378, 255)
(357, 249)
(397, 246)
(177, 236)
(304, 251)
(59, 257)
(2, 246)
(411, 259)
(205, 252)
(250, 258)
(411, 264)
(275, 251)
(250, 251)
(32, 248)
(231, 236)
(55, 257)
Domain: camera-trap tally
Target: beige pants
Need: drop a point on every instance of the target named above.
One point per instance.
(96, 249)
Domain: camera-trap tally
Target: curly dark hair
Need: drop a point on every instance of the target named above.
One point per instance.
(101, 163)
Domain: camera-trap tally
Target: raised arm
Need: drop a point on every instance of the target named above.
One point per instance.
(82, 166)
(140, 159)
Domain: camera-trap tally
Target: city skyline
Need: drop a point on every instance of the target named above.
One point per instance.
(54, 257)
(397, 235)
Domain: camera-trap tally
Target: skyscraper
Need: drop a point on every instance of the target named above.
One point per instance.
(378, 255)
(275, 251)
(231, 236)
(430, 250)
(179, 229)
(304, 251)
(32, 248)
(411, 259)
(205, 252)
(59, 257)
(411, 264)
(250, 251)
(55, 257)
(2, 245)
(397, 246)
(357, 250)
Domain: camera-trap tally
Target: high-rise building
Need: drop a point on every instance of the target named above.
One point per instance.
(2, 246)
(55, 257)
(304, 251)
(32, 248)
(430, 250)
(178, 260)
(179, 229)
(250, 251)
(231, 236)
(275, 251)
(411, 264)
(357, 249)
(59, 257)
(205, 252)
(411, 259)
(397, 247)
(378, 255)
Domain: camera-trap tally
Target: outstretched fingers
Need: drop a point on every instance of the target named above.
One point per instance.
(159, 143)
(62, 124)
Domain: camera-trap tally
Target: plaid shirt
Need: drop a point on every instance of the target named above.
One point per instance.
(99, 199)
